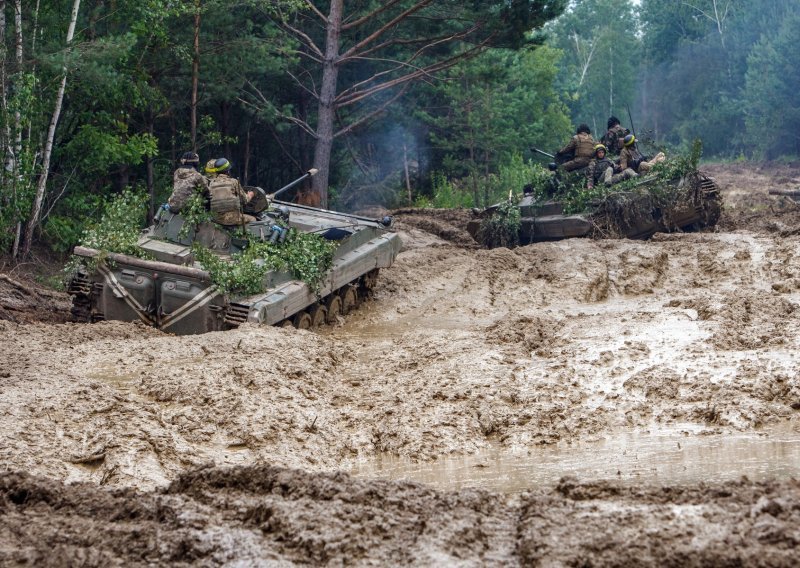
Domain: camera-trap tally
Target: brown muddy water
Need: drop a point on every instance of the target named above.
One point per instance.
(661, 458)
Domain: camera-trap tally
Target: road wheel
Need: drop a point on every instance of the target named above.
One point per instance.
(368, 281)
(319, 315)
(286, 323)
(349, 299)
(334, 307)
(302, 320)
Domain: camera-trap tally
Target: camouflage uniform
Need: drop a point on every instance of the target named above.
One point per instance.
(612, 139)
(227, 200)
(597, 170)
(186, 181)
(580, 149)
(630, 157)
(610, 178)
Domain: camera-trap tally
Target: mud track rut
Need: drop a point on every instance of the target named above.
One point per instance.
(461, 350)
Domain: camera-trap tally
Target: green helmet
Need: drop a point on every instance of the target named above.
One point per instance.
(599, 147)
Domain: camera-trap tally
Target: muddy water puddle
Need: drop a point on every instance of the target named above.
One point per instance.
(668, 458)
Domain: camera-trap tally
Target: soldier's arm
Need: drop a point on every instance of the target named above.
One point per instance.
(569, 147)
(623, 161)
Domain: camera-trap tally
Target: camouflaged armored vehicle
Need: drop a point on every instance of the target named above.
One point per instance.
(175, 293)
(636, 210)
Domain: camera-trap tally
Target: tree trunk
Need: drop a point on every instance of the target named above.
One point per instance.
(327, 94)
(48, 149)
(17, 115)
(13, 165)
(611, 82)
(151, 186)
(225, 127)
(195, 72)
(408, 179)
(5, 139)
(246, 162)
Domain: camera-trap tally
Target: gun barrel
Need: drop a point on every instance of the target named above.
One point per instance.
(786, 192)
(310, 173)
(542, 152)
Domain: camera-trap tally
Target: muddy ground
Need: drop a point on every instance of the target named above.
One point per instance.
(233, 447)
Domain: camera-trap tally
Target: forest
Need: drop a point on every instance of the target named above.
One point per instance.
(398, 103)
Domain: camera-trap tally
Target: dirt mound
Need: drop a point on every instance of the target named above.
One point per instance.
(748, 205)
(448, 224)
(24, 301)
(248, 516)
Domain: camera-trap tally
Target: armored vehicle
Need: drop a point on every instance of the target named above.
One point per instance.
(170, 290)
(635, 210)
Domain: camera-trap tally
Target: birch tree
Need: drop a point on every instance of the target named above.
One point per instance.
(48, 147)
(599, 40)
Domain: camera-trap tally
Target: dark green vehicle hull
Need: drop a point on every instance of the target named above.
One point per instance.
(698, 204)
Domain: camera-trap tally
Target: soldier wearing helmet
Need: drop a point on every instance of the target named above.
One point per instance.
(601, 168)
(186, 181)
(227, 196)
(630, 157)
(579, 151)
(614, 135)
(598, 166)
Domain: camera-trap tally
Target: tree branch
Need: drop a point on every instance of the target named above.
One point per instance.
(389, 43)
(387, 26)
(302, 124)
(429, 70)
(305, 39)
(372, 114)
(283, 148)
(407, 63)
(317, 12)
(371, 15)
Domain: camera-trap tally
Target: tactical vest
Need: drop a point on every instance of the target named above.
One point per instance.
(584, 145)
(224, 196)
(597, 168)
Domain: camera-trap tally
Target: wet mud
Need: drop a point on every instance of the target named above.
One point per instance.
(514, 368)
(271, 516)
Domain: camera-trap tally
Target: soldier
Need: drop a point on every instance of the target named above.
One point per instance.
(209, 169)
(579, 151)
(598, 166)
(227, 196)
(602, 168)
(186, 181)
(630, 157)
(613, 137)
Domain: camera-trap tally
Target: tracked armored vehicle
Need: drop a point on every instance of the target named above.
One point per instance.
(175, 293)
(638, 211)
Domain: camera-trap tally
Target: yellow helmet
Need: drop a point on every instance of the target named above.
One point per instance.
(599, 147)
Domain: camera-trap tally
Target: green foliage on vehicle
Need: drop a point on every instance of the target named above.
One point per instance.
(194, 213)
(307, 256)
(120, 225)
(117, 231)
(502, 228)
(659, 184)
